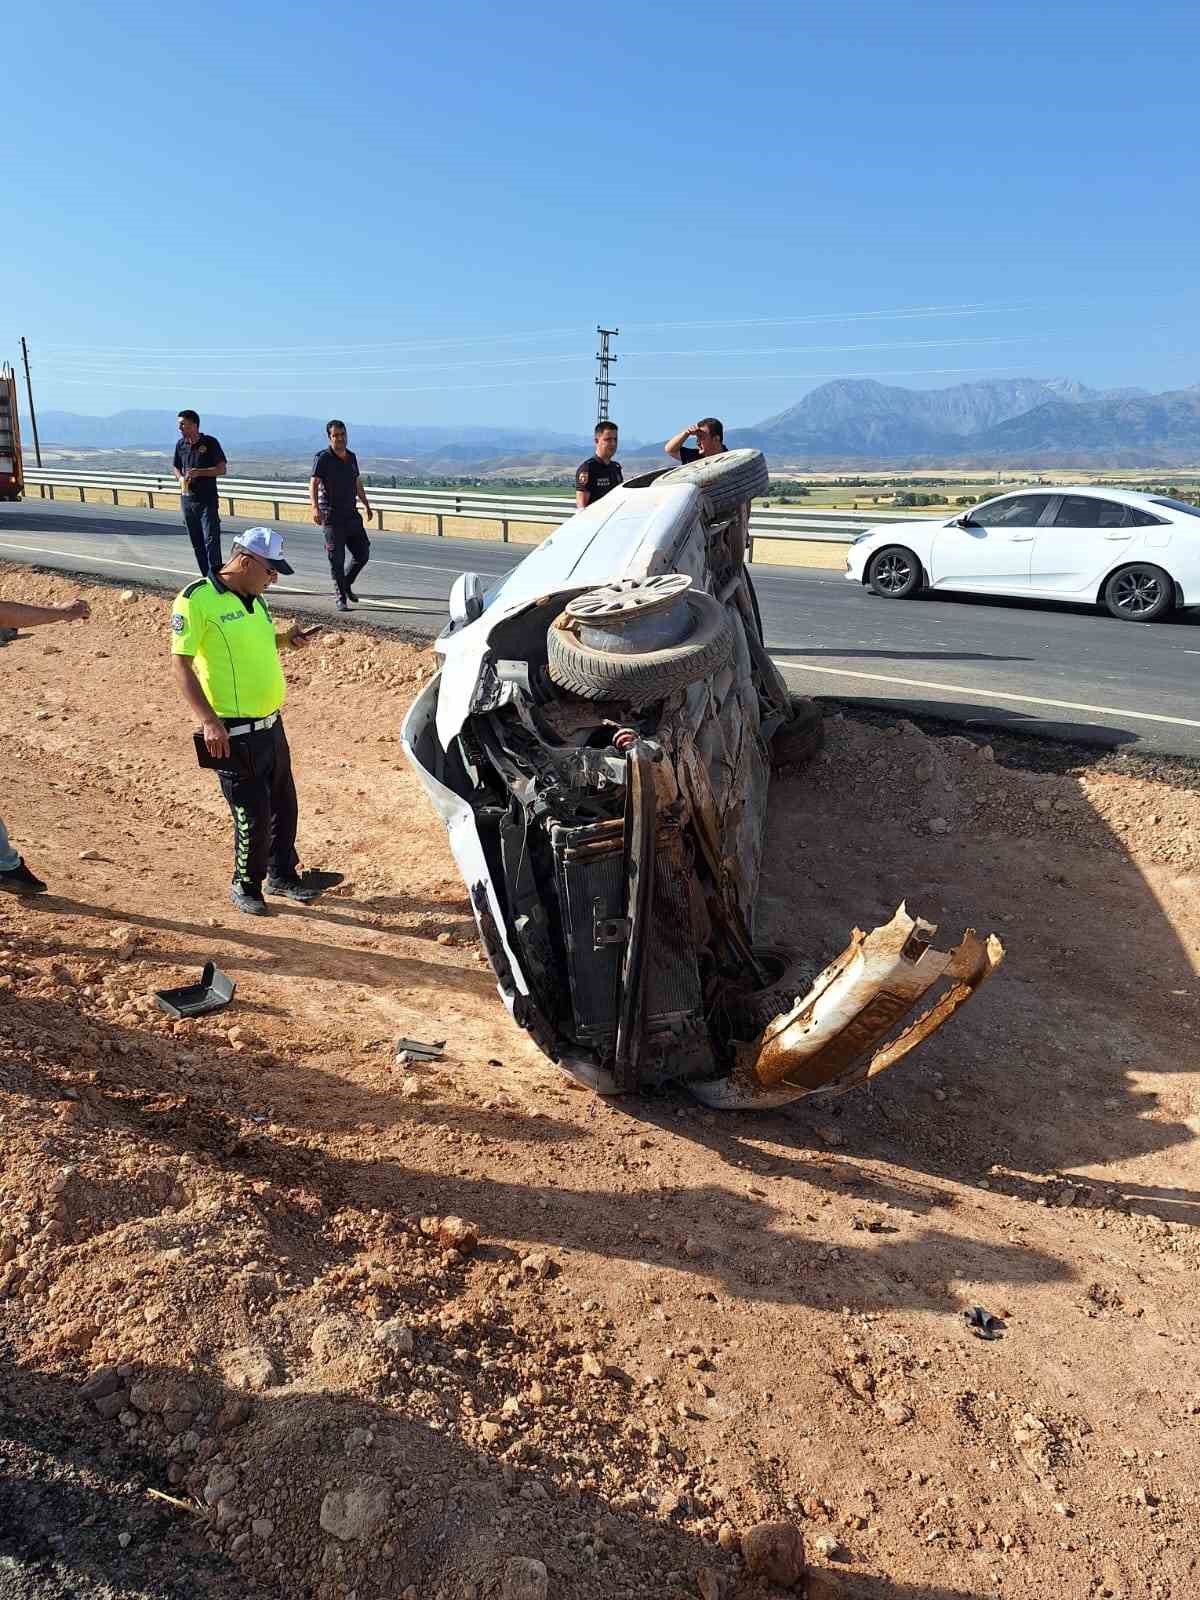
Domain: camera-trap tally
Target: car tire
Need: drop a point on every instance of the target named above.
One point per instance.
(639, 678)
(790, 976)
(725, 480)
(1139, 592)
(894, 573)
(797, 740)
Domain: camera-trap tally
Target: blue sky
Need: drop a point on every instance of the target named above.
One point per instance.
(409, 215)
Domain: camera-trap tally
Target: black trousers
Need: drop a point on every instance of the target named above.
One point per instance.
(203, 519)
(262, 797)
(346, 533)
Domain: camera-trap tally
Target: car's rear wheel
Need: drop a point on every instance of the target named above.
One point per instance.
(724, 480)
(1139, 593)
(894, 572)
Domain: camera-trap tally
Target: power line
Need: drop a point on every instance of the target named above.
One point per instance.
(205, 352)
(700, 380)
(971, 309)
(968, 309)
(314, 374)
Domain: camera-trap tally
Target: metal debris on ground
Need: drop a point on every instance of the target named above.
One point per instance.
(982, 1324)
(214, 991)
(415, 1050)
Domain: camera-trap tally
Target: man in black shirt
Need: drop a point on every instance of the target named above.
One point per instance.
(599, 473)
(710, 441)
(336, 489)
(199, 462)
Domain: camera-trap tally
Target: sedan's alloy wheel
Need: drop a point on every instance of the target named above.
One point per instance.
(1137, 592)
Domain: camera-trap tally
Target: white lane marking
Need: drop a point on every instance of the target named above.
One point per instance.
(991, 694)
(190, 572)
(79, 555)
(405, 566)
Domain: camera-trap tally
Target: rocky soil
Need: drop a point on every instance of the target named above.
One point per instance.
(282, 1316)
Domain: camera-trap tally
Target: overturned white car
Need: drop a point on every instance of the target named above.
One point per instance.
(599, 742)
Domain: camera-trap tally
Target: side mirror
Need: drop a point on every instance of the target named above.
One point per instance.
(965, 521)
(466, 598)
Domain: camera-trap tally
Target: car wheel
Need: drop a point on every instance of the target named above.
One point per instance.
(788, 974)
(799, 738)
(894, 572)
(1139, 593)
(725, 480)
(640, 677)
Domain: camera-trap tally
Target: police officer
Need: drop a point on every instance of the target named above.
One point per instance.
(336, 487)
(599, 473)
(226, 652)
(709, 434)
(199, 462)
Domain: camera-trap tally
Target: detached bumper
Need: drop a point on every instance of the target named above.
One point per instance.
(836, 1035)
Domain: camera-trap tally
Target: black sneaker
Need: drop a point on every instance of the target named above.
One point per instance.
(340, 604)
(248, 899)
(352, 597)
(293, 889)
(19, 880)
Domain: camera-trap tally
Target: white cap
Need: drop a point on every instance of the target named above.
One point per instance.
(264, 543)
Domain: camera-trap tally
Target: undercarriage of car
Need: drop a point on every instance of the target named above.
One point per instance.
(605, 785)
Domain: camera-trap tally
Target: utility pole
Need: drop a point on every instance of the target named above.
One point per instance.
(604, 383)
(37, 445)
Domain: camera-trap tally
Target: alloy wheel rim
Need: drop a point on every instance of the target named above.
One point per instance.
(1137, 592)
(892, 573)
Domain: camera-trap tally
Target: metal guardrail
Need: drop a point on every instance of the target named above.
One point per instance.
(833, 527)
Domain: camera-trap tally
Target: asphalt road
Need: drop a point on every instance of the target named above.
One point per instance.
(1028, 666)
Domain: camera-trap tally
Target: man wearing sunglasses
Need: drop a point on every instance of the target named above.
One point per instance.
(710, 440)
(226, 653)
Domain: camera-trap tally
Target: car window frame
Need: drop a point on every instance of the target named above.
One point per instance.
(1124, 526)
(1014, 494)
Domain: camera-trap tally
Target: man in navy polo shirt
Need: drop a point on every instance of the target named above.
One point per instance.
(199, 462)
(336, 487)
(710, 441)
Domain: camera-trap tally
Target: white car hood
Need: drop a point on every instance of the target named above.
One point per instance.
(619, 537)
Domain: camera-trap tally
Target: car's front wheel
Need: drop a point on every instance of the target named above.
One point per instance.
(1140, 593)
(894, 572)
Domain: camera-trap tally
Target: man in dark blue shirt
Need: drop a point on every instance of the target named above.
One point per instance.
(336, 488)
(199, 462)
(710, 441)
(600, 474)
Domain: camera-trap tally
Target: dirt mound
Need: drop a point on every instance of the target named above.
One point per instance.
(244, 1351)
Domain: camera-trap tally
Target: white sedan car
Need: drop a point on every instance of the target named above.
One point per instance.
(1137, 554)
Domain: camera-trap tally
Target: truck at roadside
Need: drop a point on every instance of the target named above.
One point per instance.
(12, 478)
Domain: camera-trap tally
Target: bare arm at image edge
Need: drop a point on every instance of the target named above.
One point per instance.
(15, 615)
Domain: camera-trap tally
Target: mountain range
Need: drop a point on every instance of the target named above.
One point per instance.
(1030, 421)
(1051, 422)
(270, 434)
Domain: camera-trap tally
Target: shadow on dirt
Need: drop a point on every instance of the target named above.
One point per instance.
(79, 1519)
(1082, 1017)
(371, 968)
(229, 1114)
